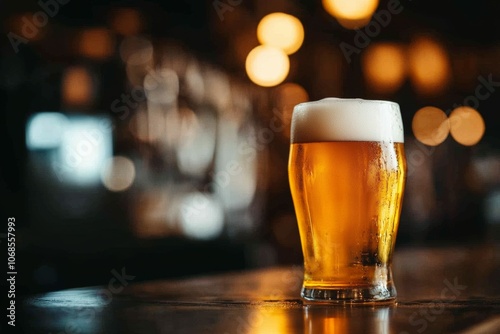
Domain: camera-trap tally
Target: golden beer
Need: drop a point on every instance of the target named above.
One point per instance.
(347, 195)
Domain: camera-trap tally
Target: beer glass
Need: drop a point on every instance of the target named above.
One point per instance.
(347, 174)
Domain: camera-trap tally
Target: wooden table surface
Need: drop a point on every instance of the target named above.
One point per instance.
(440, 290)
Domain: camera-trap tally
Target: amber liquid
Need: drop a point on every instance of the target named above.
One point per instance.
(347, 198)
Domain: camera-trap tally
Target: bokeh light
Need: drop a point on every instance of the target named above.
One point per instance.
(217, 87)
(45, 130)
(196, 141)
(267, 66)
(126, 21)
(466, 125)
(201, 216)
(384, 67)
(136, 50)
(96, 43)
(429, 66)
(235, 175)
(118, 173)
(430, 125)
(161, 86)
(86, 144)
(351, 14)
(77, 86)
(281, 30)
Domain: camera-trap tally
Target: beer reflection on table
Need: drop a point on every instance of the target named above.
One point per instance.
(319, 319)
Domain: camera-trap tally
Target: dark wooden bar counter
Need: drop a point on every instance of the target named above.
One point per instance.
(440, 290)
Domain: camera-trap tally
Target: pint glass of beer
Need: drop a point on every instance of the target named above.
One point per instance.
(347, 173)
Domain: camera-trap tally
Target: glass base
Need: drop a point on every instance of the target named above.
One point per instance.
(353, 295)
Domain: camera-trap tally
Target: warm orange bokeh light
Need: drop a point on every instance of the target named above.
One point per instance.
(429, 66)
(77, 87)
(267, 66)
(126, 21)
(466, 126)
(281, 30)
(97, 43)
(430, 126)
(351, 14)
(384, 67)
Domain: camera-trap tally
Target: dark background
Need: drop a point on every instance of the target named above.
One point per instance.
(57, 250)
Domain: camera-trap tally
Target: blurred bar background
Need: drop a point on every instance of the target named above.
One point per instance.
(153, 136)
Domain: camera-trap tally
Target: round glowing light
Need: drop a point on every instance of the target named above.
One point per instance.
(267, 66)
(196, 141)
(430, 126)
(466, 126)
(118, 173)
(281, 30)
(97, 43)
(429, 66)
(201, 216)
(77, 86)
(351, 14)
(384, 67)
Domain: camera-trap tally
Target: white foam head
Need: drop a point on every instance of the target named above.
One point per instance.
(334, 119)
